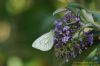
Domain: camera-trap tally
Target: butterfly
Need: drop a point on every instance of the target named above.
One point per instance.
(44, 42)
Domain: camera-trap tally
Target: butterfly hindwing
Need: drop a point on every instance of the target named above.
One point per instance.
(44, 42)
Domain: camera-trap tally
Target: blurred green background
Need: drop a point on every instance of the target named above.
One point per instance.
(22, 21)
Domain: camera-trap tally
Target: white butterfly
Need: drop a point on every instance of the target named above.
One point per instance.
(44, 42)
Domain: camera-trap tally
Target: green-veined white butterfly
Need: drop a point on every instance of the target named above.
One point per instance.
(44, 42)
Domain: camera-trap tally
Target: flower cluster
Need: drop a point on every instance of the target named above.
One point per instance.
(65, 28)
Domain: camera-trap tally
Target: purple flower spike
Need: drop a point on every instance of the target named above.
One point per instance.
(65, 28)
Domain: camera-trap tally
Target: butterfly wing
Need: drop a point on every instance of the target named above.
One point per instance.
(44, 42)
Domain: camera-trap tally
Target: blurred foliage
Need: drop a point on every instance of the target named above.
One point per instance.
(22, 21)
(14, 61)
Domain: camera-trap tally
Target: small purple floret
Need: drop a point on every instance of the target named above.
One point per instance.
(66, 28)
(65, 39)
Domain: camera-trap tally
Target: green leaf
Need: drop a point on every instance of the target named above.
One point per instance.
(89, 18)
(96, 16)
(75, 5)
(59, 10)
(96, 33)
(92, 54)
